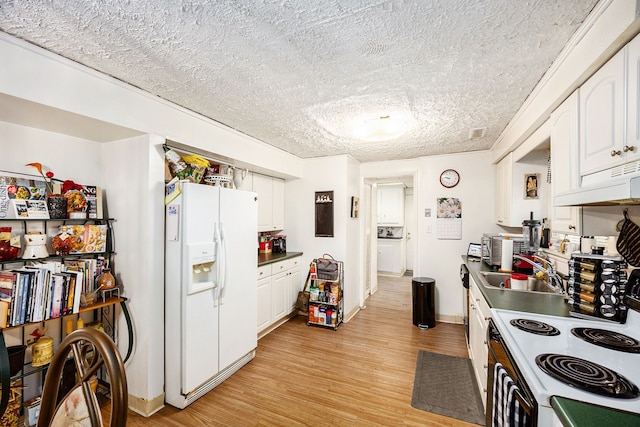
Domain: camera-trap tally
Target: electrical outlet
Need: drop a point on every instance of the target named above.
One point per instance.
(427, 213)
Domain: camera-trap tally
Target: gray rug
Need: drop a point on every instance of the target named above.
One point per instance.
(446, 385)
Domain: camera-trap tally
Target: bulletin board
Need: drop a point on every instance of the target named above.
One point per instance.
(324, 213)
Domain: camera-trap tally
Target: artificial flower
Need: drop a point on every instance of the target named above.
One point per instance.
(47, 176)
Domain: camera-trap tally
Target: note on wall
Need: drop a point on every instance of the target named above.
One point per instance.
(449, 218)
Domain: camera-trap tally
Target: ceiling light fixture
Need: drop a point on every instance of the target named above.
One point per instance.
(383, 127)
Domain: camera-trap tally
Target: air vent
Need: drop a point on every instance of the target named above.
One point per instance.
(626, 169)
(477, 133)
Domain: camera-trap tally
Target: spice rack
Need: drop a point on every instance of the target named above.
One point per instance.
(326, 305)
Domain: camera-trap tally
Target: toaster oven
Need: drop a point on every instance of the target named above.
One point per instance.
(492, 247)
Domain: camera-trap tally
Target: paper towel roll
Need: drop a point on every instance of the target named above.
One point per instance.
(507, 255)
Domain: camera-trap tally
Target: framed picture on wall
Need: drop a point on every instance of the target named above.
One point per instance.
(355, 207)
(531, 185)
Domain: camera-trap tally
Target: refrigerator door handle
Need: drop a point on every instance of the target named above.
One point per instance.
(223, 263)
(216, 238)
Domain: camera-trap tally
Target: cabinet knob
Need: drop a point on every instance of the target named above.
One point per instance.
(485, 343)
(615, 153)
(477, 299)
(572, 227)
(487, 319)
(627, 148)
(485, 366)
(485, 389)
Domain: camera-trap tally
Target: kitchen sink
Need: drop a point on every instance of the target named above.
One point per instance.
(492, 279)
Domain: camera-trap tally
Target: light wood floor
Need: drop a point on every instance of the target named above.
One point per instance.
(360, 375)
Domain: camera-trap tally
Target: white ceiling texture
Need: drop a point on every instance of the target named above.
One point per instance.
(297, 74)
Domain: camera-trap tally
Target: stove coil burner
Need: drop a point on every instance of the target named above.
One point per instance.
(587, 376)
(535, 327)
(608, 339)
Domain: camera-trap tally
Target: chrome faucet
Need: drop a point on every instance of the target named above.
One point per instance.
(554, 278)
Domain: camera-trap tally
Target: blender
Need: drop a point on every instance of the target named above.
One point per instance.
(531, 233)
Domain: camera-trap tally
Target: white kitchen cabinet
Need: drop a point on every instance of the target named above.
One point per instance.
(504, 188)
(511, 205)
(391, 205)
(277, 208)
(479, 316)
(279, 296)
(565, 177)
(264, 302)
(278, 286)
(633, 100)
(602, 110)
(270, 202)
(392, 256)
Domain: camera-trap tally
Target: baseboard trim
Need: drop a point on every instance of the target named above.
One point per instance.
(448, 318)
(145, 407)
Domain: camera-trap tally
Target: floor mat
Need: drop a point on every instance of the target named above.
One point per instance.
(446, 385)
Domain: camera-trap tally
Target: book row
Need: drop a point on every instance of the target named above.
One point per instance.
(46, 290)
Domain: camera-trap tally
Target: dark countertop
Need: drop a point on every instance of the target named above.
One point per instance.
(518, 301)
(390, 238)
(573, 413)
(264, 259)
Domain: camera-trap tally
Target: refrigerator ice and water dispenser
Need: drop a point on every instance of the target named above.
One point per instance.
(202, 267)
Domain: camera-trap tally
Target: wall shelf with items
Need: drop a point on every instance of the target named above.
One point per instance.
(326, 305)
(39, 291)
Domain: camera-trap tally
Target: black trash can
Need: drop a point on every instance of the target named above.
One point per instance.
(423, 290)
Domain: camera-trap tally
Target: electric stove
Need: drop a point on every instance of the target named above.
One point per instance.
(597, 374)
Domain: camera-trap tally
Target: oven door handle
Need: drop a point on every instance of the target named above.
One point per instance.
(524, 403)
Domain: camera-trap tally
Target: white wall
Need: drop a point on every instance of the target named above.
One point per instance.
(134, 185)
(340, 175)
(440, 259)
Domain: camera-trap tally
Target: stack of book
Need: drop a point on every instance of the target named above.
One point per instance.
(45, 290)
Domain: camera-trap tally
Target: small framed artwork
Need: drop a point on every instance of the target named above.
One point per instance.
(355, 207)
(531, 183)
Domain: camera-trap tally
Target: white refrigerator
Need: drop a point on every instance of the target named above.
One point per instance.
(210, 288)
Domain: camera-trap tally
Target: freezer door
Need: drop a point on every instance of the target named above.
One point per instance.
(200, 340)
(199, 314)
(238, 290)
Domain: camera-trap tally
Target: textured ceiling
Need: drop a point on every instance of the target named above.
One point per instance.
(297, 73)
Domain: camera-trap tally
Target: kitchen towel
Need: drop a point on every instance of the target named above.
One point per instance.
(506, 411)
(629, 241)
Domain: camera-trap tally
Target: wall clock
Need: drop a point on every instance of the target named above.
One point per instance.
(449, 178)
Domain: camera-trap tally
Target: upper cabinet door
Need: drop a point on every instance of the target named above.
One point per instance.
(391, 205)
(564, 145)
(633, 101)
(277, 187)
(564, 163)
(262, 186)
(602, 106)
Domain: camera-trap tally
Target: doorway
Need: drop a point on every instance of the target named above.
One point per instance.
(409, 231)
